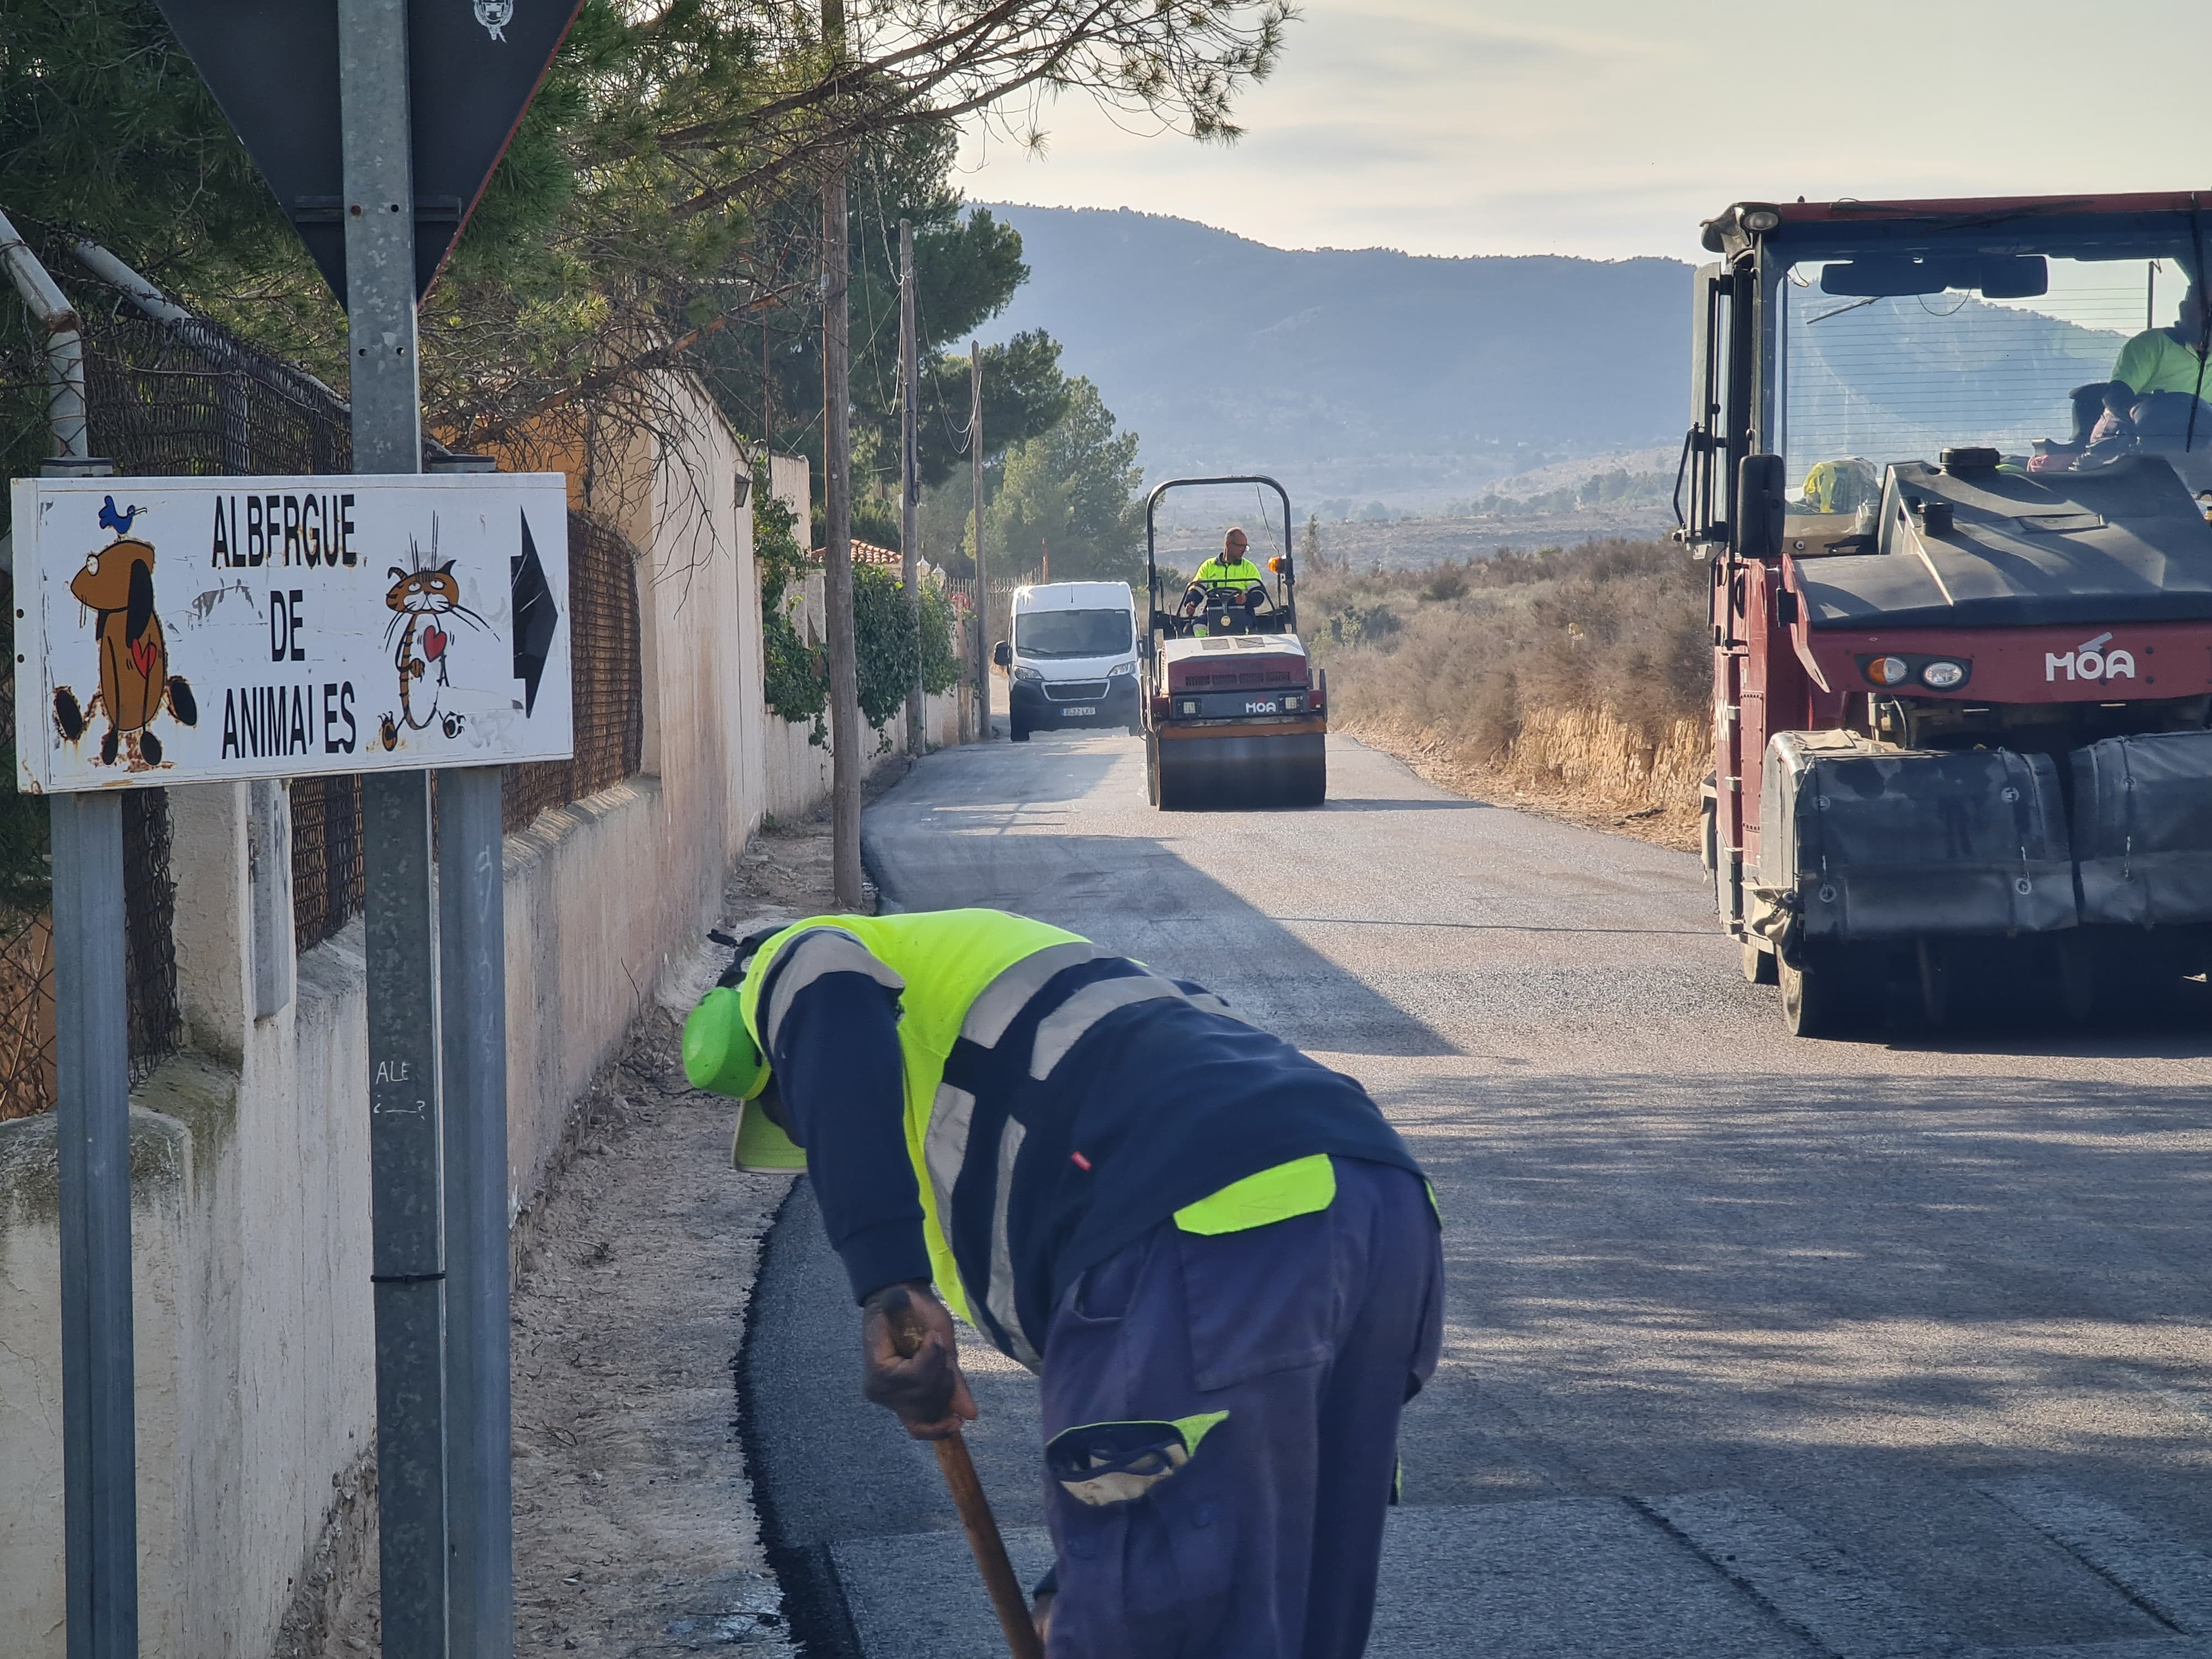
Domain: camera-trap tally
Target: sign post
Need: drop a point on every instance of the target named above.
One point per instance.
(378, 124)
(92, 1135)
(399, 916)
(182, 631)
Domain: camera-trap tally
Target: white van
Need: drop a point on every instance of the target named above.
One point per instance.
(1072, 660)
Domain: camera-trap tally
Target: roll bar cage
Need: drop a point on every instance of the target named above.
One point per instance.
(1286, 585)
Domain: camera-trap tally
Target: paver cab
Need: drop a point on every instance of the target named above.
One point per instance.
(1950, 462)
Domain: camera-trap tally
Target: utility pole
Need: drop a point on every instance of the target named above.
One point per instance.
(983, 584)
(910, 480)
(837, 511)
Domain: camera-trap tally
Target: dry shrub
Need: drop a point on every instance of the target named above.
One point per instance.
(1580, 672)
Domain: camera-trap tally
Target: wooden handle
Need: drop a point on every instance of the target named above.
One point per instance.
(1007, 1600)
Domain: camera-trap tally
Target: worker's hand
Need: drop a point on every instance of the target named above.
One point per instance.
(910, 1361)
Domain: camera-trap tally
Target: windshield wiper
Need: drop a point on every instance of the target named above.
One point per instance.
(1840, 310)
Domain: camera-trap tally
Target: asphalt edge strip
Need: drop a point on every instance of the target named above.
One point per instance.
(816, 1613)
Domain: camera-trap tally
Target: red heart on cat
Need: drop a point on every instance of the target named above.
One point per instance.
(434, 642)
(141, 653)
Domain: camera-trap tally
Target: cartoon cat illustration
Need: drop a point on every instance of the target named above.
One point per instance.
(419, 597)
(117, 585)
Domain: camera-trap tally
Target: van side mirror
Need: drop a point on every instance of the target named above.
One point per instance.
(1002, 654)
(1760, 494)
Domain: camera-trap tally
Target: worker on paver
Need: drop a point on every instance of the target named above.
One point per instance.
(1220, 1258)
(2157, 379)
(1230, 574)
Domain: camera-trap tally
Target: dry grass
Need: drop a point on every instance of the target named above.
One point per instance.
(1571, 681)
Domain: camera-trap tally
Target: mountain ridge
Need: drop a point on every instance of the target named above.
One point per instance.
(1414, 378)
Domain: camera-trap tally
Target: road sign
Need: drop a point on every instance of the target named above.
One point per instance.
(183, 630)
(473, 66)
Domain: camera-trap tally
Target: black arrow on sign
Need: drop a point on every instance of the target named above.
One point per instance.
(472, 68)
(535, 615)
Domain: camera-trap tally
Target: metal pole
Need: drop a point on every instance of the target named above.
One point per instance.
(91, 1119)
(406, 1220)
(92, 1131)
(64, 340)
(917, 739)
(405, 1130)
(982, 586)
(479, 1427)
(838, 557)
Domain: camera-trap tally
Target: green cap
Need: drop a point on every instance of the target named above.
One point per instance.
(720, 1055)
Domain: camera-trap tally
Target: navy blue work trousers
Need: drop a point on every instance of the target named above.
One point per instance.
(1311, 1334)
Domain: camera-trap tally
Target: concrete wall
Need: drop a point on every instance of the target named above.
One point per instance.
(250, 1153)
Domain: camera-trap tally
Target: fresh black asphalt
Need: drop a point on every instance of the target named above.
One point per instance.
(1871, 1350)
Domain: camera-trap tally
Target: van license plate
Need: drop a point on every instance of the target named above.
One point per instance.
(1069, 713)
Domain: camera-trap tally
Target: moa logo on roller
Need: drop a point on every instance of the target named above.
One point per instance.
(2090, 660)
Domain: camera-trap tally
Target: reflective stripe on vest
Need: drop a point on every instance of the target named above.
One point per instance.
(813, 955)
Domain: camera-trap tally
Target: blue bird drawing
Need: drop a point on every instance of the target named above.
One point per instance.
(119, 522)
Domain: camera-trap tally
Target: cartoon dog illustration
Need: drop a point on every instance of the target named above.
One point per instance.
(419, 597)
(117, 583)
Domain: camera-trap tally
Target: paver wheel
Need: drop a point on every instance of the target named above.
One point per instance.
(1819, 999)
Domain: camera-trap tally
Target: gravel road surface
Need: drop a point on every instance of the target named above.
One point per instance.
(1757, 1346)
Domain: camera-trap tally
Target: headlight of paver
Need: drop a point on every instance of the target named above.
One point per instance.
(1889, 671)
(1943, 674)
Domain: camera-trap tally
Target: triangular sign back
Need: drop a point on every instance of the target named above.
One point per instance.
(473, 66)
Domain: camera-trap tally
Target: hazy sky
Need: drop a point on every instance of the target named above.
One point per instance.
(1609, 128)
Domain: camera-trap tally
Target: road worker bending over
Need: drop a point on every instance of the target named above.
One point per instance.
(1221, 1260)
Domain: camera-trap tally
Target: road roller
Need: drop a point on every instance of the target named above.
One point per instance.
(1236, 716)
(1960, 580)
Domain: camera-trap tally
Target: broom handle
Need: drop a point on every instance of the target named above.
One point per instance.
(1006, 1598)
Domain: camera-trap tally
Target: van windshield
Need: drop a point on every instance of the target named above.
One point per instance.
(1064, 634)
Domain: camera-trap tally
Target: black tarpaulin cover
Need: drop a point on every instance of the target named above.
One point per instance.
(2142, 829)
(1864, 840)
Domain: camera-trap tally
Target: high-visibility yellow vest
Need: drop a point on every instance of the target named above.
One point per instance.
(1214, 573)
(949, 959)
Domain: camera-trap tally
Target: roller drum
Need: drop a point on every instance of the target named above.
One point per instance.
(1240, 773)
